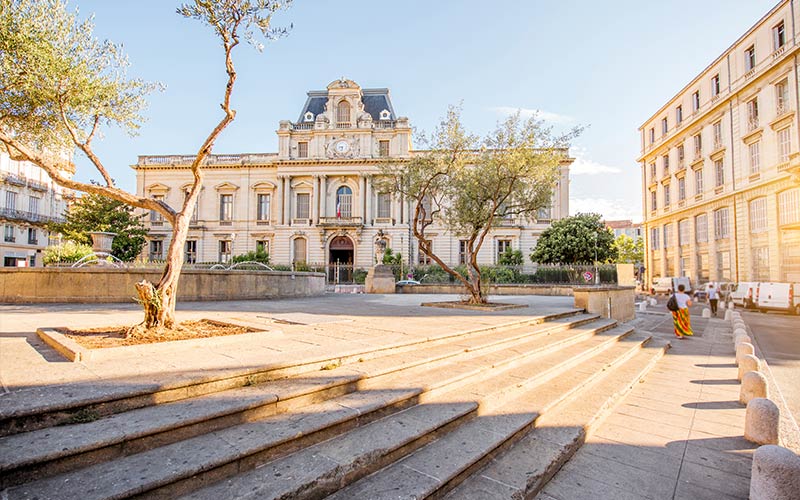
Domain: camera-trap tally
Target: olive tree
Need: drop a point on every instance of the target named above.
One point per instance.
(467, 184)
(59, 86)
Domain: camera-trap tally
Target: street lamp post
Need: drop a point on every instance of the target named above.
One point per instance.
(596, 274)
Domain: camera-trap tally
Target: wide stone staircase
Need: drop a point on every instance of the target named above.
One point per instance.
(491, 413)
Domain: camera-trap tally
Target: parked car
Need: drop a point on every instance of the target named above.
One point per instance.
(407, 282)
(669, 284)
(744, 295)
(778, 297)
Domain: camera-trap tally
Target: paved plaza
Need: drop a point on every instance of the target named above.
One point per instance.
(678, 434)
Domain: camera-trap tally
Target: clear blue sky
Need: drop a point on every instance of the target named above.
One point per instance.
(608, 65)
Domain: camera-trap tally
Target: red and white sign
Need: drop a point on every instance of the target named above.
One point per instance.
(587, 276)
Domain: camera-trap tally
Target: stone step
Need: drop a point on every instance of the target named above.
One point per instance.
(51, 451)
(253, 443)
(30, 410)
(434, 469)
(523, 470)
(346, 458)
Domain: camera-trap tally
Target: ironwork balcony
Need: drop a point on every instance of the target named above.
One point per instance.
(341, 221)
(14, 179)
(9, 239)
(782, 108)
(37, 186)
(752, 123)
(21, 215)
(33, 241)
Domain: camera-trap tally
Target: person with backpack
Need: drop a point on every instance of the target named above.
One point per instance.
(713, 298)
(679, 304)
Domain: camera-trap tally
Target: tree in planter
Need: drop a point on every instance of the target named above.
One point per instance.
(59, 85)
(94, 212)
(575, 239)
(467, 185)
(629, 251)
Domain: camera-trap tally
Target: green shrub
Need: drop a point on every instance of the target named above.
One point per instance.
(359, 276)
(68, 251)
(259, 255)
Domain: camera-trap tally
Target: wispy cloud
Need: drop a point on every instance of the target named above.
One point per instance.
(547, 116)
(585, 166)
(610, 209)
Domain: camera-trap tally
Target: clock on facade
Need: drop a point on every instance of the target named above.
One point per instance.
(342, 147)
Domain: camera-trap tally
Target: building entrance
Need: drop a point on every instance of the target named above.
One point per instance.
(341, 252)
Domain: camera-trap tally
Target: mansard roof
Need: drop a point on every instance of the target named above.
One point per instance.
(375, 101)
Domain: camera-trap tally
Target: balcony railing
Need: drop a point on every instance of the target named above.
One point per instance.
(245, 159)
(341, 221)
(37, 186)
(752, 123)
(384, 124)
(344, 125)
(21, 215)
(782, 108)
(303, 126)
(718, 144)
(33, 241)
(9, 239)
(14, 179)
(778, 52)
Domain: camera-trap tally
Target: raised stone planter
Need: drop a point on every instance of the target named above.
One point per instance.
(617, 302)
(775, 474)
(380, 279)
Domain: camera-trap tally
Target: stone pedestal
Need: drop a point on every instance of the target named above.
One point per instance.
(101, 241)
(380, 279)
(615, 302)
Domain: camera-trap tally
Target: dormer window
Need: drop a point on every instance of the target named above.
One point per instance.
(385, 115)
(308, 117)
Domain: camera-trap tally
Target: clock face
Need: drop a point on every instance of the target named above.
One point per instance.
(342, 147)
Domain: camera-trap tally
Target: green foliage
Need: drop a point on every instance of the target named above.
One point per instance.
(629, 251)
(390, 258)
(94, 212)
(68, 251)
(467, 184)
(510, 258)
(257, 255)
(49, 62)
(359, 276)
(574, 240)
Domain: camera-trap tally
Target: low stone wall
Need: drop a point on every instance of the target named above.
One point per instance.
(91, 285)
(560, 290)
(615, 302)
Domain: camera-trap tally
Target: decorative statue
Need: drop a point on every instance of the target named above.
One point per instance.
(380, 247)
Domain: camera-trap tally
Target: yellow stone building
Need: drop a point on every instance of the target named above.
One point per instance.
(314, 201)
(721, 168)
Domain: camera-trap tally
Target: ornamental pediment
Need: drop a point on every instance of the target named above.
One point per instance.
(264, 186)
(158, 188)
(226, 187)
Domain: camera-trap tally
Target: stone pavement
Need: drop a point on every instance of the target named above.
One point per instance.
(678, 434)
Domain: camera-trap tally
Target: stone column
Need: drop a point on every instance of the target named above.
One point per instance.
(362, 187)
(287, 205)
(315, 202)
(323, 199)
(368, 201)
(282, 180)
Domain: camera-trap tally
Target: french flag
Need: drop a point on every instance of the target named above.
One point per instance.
(338, 209)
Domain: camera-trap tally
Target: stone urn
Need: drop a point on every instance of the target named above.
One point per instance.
(101, 241)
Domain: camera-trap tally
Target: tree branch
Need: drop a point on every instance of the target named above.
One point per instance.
(55, 172)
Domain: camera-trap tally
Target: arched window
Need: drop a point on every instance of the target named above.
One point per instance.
(344, 202)
(343, 114)
(299, 251)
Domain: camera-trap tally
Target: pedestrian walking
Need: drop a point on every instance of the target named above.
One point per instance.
(713, 298)
(680, 318)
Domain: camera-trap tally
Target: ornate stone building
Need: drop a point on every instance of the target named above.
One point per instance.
(720, 164)
(314, 201)
(29, 200)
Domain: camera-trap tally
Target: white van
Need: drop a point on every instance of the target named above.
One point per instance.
(669, 284)
(745, 294)
(778, 297)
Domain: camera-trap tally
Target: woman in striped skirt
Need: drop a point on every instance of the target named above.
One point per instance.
(680, 318)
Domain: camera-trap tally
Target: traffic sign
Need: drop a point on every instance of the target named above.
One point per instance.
(588, 276)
